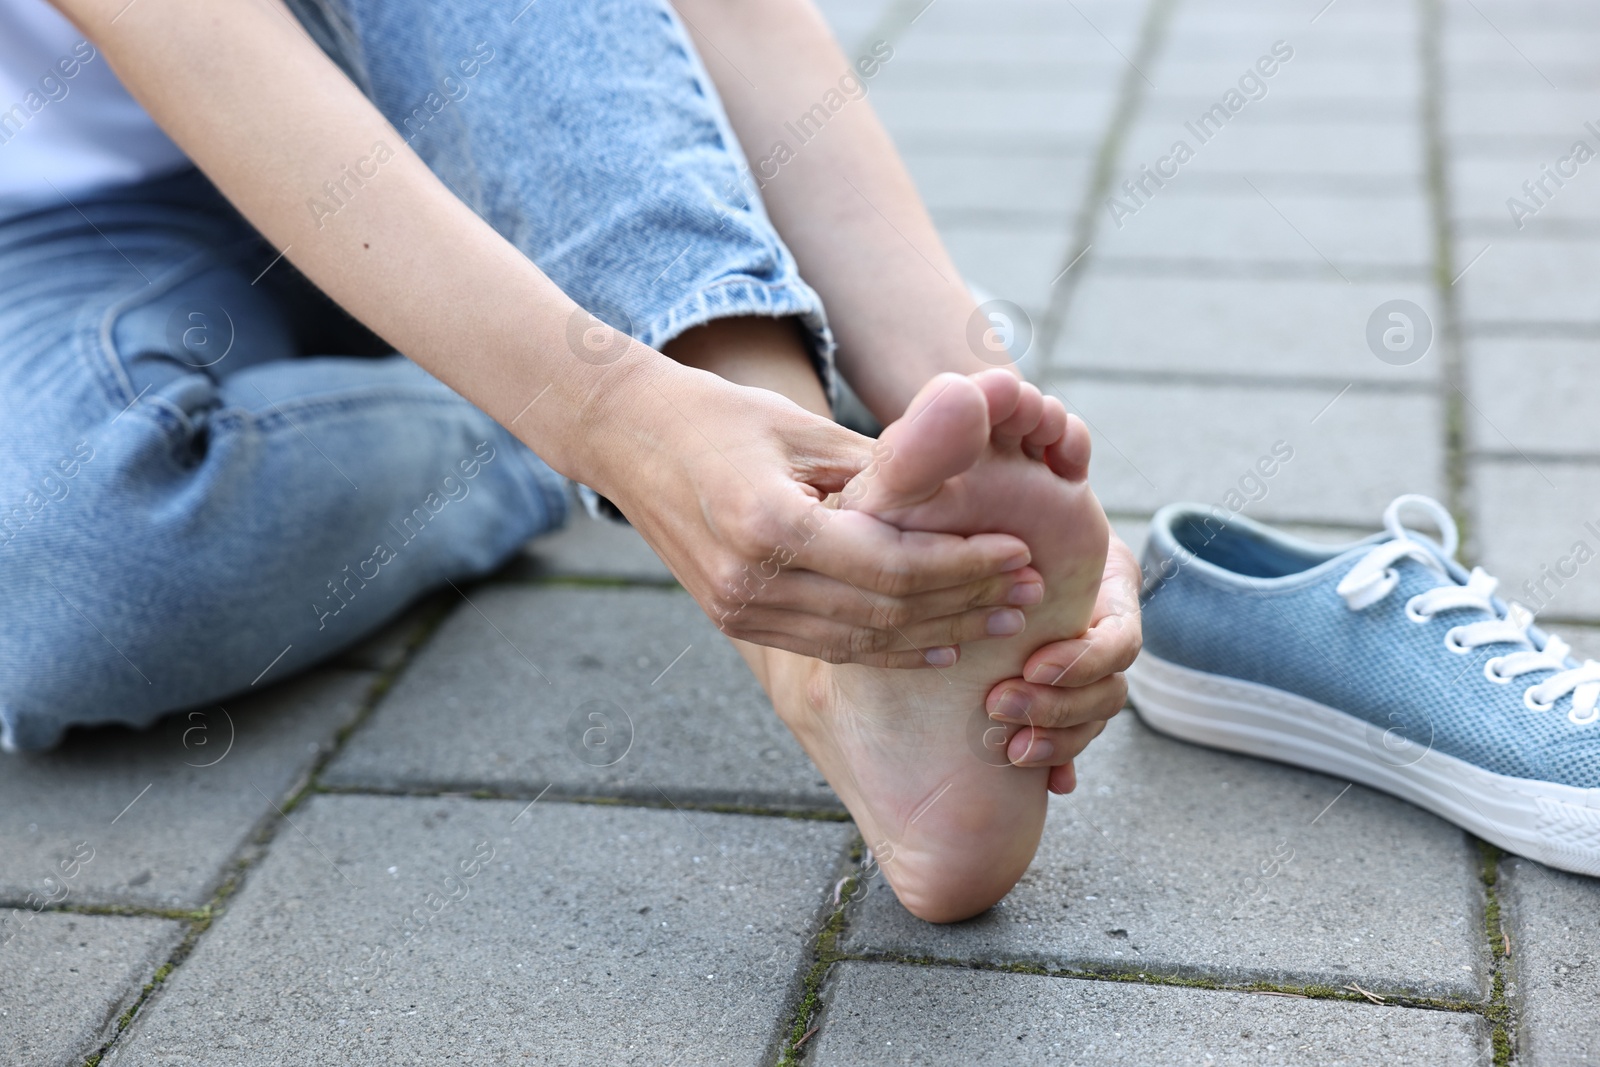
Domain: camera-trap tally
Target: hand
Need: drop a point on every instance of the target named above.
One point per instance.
(728, 485)
(1069, 689)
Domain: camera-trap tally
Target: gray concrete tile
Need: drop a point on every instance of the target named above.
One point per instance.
(925, 45)
(65, 978)
(387, 649)
(1019, 18)
(1533, 395)
(1528, 282)
(621, 713)
(1180, 222)
(1275, 329)
(1170, 859)
(1210, 76)
(1249, 147)
(893, 1013)
(1480, 188)
(165, 809)
(591, 548)
(1555, 962)
(975, 116)
(1157, 442)
(1534, 110)
(1530, 522)
(1014, 261)
(589, 935)
(1537, 48)
(960, 180)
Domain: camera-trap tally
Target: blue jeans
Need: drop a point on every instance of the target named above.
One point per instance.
(207, 469)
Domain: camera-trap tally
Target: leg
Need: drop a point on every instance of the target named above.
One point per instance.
(191, 502)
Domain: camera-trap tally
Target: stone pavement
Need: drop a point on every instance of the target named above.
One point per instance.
(557, 823)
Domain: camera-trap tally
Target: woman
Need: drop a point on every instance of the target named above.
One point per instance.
(216, 473)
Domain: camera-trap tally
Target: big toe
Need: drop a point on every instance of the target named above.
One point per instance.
(942, 434)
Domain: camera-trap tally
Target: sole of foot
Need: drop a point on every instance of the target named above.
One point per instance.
(912, 753)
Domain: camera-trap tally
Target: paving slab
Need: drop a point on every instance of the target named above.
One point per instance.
(1528, 282)
(1173, 860)
(963, 180)
(898, 1014)
(1533, 395)
(1233, 326)
(973, 116)
(423, 930)
(1016, 261)
(1531, 111)
(1157, 442)
(616, 692)
(1347, 76)
(164, 810)
(1480, 188)
(1531, 516)
(1179, 222)
(1249, 147)
(591, 548)
(1555, 962)
(64, 978)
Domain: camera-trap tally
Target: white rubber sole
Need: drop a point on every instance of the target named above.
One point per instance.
(1557, 825)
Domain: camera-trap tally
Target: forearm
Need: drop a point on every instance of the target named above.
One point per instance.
(270, 120)
(844, 202)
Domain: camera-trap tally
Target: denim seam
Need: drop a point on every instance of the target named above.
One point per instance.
(733, 297)
(105, 329)
(348, 401)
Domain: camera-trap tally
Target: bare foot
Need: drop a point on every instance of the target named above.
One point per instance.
(951, 823)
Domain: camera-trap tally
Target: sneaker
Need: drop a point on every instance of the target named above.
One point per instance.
(1384, 662)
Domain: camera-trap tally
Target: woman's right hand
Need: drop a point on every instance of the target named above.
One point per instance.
(728, 484)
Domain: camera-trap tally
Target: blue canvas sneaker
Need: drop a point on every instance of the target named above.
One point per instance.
(1383, 662)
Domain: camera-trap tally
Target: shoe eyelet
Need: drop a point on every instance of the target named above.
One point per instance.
(1452, 641)
(1533, 705)
(1594, 713)
(1416, 614)
(1491, 671)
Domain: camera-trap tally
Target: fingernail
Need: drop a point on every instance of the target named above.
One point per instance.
(1046, 673)
(1013, 705)
(1015, 563)
(940, 657)
(1039, 751)
(1006, 622)
(1026, 593)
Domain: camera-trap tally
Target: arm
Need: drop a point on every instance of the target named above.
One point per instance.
(850, 213)
(269, 118)
(844, 203)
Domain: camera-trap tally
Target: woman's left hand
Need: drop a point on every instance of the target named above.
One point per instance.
(1069, 689)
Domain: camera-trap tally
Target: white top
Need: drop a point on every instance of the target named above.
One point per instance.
(65, 120)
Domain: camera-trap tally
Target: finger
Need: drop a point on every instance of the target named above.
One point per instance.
(1110, 645)
(1063, 779)
(1045, 706)
(1033, 747)
(839, 642)
(811, 593)
(915, 659)
(869, 553)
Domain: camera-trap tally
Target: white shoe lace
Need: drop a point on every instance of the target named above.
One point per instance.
(1375, 577)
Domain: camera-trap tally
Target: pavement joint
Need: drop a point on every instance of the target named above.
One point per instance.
(1130, 96)
(255, 849)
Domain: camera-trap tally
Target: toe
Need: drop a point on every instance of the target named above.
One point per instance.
(1002, 389)
(1024, 420)
(1048, 431)
(942, 434)
(1069, 457)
